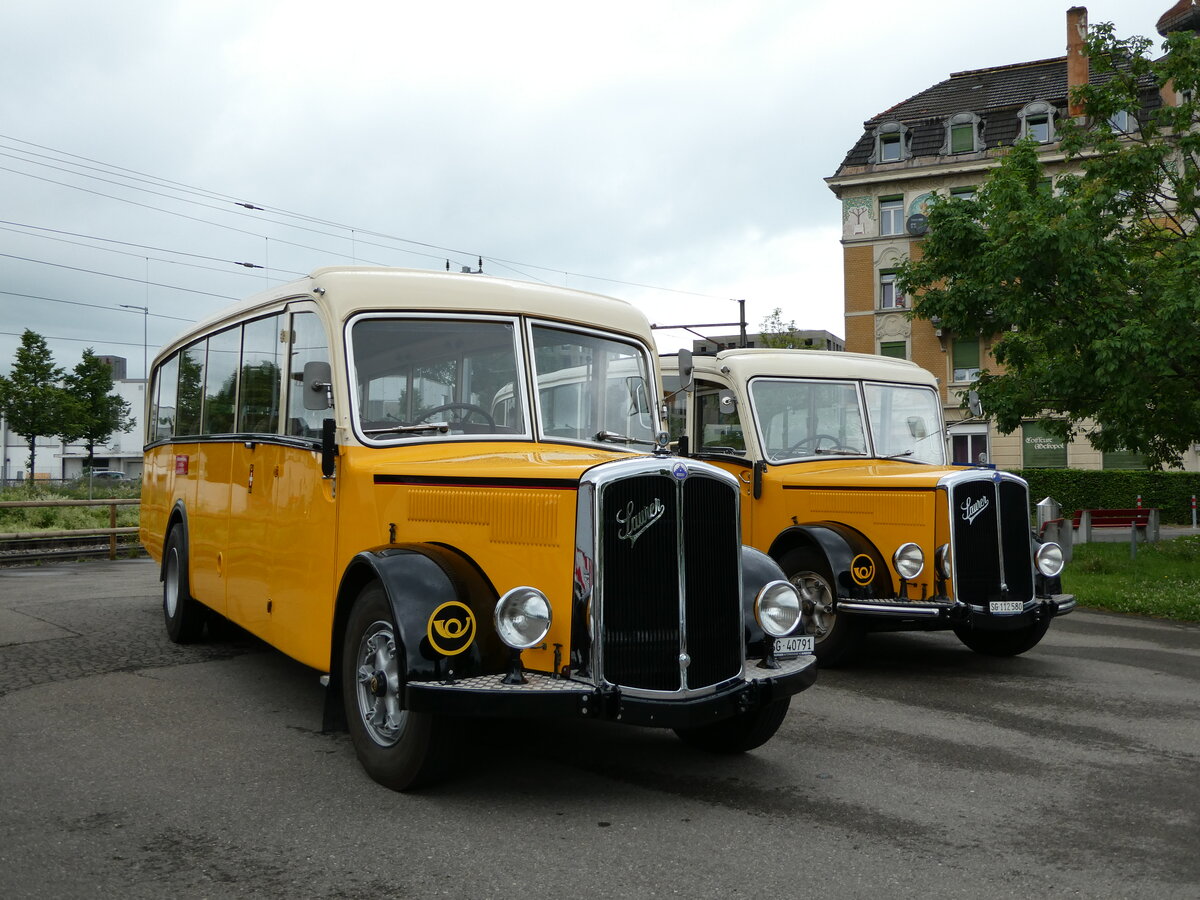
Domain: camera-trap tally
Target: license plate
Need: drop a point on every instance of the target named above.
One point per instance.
(793, 646)
(1005, 607)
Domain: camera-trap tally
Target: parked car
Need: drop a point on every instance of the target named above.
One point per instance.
(107, 475)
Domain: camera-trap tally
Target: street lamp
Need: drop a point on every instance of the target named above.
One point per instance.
(145, 348)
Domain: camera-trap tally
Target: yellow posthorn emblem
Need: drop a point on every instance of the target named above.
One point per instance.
(862, 569)
(451, 628)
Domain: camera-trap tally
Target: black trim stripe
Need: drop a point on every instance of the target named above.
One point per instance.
(854, 488)
(559, 484)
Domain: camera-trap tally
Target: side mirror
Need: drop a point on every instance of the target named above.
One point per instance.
(727, 403)
(687, 371)
(318, 385)
(974, 405)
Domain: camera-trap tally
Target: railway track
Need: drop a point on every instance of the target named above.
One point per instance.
(43, 550)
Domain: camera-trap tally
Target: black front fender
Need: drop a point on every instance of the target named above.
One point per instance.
(758, 570)
(420, 581)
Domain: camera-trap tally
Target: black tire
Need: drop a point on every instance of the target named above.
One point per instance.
(1002, 643)
(836, 636)
(740, 733)
(399, 748)
(183, 614)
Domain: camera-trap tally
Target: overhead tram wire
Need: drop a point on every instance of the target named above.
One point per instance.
(119, 277)
(255, 234)
(90, 305)
(93, 341)
(248, 207)
(174, 262)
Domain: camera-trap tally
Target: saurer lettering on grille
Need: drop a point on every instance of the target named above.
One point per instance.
(634, 524)
(972, 508)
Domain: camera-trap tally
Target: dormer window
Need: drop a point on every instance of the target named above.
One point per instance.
(1123, 122)
(963, 134)
(891, 143)
(1037, 122)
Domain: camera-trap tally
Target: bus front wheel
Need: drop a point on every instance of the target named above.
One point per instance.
(836, 636)
(184, 616)
(742, 732)
(399, 748)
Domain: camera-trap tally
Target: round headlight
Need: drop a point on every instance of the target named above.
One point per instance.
(1049, 559)
(522, 617)
(941, 559)
(908, 560)
(777, 608)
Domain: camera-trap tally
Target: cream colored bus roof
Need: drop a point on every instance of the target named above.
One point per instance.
(353, 289)
(746, 364)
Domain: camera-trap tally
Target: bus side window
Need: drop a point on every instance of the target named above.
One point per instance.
(308, 344)
(258, 396)
(717, 430)
(166, 383)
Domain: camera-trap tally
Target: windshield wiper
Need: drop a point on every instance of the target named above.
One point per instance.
(898, 455)
(834, 451)
(613, 437)
(440, 427)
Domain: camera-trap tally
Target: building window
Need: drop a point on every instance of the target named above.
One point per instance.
(891, 143)
(969, 449)
(894, 349)
(891, 215)
(1121, 122)
(966, 360)
(962, 134)
(889, 295)
(963, 193)
(1037, 122)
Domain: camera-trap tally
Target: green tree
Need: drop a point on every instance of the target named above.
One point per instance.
(31, 398)
(92, 411)
(1093, 287)
(774, 332)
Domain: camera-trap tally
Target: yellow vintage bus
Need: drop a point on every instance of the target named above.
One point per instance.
(450, 495)
(844, 482)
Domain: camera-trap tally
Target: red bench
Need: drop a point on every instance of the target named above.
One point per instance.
(1115, 518)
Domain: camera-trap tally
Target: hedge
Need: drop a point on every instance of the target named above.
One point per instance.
(1116, 489)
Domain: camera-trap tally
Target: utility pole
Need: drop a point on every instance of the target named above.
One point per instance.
(145, 347)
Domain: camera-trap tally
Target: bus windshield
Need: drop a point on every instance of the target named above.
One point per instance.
(592, 387)
(905, 422)
(420, 377)
(804, 419)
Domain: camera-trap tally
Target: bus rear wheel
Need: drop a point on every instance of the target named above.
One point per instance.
(184, 616)
(398, 748)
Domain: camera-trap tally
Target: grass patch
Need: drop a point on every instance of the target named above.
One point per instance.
(1163, 581)
(49, 518)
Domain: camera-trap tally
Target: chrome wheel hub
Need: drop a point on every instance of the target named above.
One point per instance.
(816, 601)
(378, 685)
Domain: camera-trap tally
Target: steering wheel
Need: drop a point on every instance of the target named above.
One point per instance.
(468, 409)
(815, 443)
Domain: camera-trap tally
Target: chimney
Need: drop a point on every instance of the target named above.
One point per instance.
(1077, 61)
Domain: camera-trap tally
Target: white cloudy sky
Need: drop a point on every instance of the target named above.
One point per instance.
(670, 153)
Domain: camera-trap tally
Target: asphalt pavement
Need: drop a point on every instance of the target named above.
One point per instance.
(134, 768)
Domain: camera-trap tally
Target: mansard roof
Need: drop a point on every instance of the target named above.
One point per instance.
(995, 94)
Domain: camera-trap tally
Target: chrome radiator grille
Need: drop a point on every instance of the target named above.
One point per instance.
(991, 540)
(668, 582)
